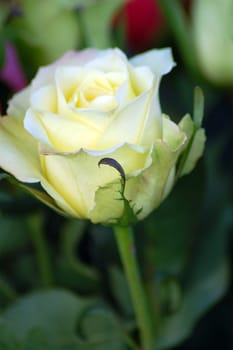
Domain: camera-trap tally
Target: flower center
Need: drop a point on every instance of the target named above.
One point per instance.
(97, 90)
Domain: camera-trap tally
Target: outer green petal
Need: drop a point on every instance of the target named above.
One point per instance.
(197, 139)
(109, 204)
(77, 177)
(18, 151)
(147, 190)
(195, 152)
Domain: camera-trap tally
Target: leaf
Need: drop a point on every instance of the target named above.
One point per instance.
(7, 338)
(102, 330)
(208, 277)
(71, 270)
(120, 291)
(54, 312)
(60, 320)
(205, 276)
(36, 340)
(171, 228)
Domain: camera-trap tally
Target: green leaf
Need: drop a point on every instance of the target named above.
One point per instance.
(7, 338)
(171, 228)
(71, 271)
(208, 279)
(36, 340)
(120, 291)
(55, 312)
(96, 20)
(202, 277)
(64, 321)
(102, 330)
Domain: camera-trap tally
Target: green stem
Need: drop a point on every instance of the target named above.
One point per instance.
(125, 241)
(42, 250)
(176, 17)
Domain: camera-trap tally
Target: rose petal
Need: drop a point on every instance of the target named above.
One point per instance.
(44, 99)
(19, 104)
(141, 79)
(172, 134)
(60, 133)
(160, 61)
(18, 151)
(111, 60)
(138, 123)
(46, 74)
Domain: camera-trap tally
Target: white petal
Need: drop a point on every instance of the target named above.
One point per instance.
(160, 61)
(46, 74)
(19, 104)
(18, 151)
(44, 99)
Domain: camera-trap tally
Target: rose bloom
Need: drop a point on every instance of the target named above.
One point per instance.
(87, 106)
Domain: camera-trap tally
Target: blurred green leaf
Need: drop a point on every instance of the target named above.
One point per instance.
(204, 277)
(64, 321)
(71, 271)
(54, 312)
(7, 338)
(35, 340)
(171, 228)
(31, 30)
(102, 330)
(120, 291)
(208, 279)
(96, 21)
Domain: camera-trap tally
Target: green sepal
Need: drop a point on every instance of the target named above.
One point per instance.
(195, 134)
(198, 107)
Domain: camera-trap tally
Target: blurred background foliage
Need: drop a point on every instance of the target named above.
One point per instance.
(61, 281)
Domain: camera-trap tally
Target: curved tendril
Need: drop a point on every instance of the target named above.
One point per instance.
(114, 164)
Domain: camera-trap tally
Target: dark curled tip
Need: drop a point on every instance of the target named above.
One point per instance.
(114, 164)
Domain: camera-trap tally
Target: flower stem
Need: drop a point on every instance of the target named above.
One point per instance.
(125, 241)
